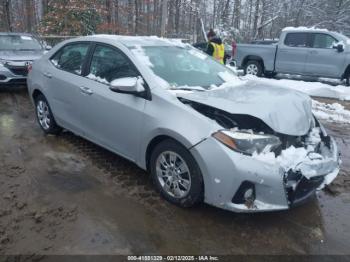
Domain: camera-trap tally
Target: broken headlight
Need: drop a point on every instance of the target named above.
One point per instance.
(248, 143)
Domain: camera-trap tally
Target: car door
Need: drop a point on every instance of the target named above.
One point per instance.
(323, 59)
(292, 54)
(62, 76)
(113, 120)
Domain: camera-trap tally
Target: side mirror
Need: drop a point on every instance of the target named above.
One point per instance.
(128, 85)
(339, 47)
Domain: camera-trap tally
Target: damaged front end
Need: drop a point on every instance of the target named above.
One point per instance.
(270, 164)
(319, 167)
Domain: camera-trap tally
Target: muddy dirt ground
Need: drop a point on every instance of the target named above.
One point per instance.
(64, 195)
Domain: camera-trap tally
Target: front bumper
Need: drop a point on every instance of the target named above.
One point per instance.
(226, 172)
(13, 74)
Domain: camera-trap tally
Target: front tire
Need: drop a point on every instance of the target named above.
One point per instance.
(347, 80)
(45, 117)
(176, 174)
(253, 67)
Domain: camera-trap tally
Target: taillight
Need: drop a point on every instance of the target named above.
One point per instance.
(29, 67)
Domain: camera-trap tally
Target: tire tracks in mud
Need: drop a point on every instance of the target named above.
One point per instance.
(125, 177)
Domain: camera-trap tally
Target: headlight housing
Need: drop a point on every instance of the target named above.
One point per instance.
(247, 143)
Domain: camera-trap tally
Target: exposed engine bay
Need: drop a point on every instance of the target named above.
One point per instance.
(251, 124)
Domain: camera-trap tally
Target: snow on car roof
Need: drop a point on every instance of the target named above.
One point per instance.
(303, 28)
(132, 41)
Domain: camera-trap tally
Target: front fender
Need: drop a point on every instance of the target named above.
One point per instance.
(164, 132)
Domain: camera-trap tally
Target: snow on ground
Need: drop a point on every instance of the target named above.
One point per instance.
(311, 88)
(335, 113)
(331, 112)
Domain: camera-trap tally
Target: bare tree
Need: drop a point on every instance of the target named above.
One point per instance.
(256, 17)
(240, 19)
(237, 14)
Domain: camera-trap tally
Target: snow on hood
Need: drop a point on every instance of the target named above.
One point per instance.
(285, 111)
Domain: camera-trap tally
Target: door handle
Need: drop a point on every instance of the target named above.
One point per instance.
(313, 52)
(47, 74)
(86, 90)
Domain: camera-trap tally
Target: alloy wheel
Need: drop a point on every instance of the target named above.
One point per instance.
(43, 113)
(173, 174)
(252, 69)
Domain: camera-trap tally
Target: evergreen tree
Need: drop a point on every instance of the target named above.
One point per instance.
(72, 17)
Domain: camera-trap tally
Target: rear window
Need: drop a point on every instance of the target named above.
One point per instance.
(296, 40)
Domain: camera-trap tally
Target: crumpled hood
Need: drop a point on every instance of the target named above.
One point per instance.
(17, 55)
(286, 111)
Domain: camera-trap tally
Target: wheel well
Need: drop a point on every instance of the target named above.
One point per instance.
(36, 93)
(253, 58)
(347, 71)
(156, 141)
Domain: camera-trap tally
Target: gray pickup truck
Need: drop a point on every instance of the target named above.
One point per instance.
(300, 51)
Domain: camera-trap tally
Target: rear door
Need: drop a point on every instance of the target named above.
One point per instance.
(323, 59)
(63, 77)
(111, 119)
(292, 54)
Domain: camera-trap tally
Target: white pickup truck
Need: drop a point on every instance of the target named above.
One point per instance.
(300, 51)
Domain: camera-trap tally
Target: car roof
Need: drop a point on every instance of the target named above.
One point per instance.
(305, 30)
(132, 41)
(12, 33)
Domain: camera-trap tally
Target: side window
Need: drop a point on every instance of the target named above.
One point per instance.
(108, 64)
(296, 40)
(71, 58)
(323, 41)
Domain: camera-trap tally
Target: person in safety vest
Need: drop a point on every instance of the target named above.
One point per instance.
(216, 48)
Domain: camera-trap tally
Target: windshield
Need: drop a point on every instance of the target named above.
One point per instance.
(19, 42)
(342, 37)
(183, 67)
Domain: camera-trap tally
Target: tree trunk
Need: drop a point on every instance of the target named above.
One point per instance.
(136, 17)
(237, 14)
(224, 17)
(7, 4)
(164, 18)
(177, 16)
(28, 15)
(256, 18)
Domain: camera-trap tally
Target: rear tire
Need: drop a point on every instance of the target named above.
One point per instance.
(45, 117)
(253, 67)
(176, 174)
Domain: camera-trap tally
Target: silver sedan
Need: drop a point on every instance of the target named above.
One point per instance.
(201, 132)
(17, 52)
